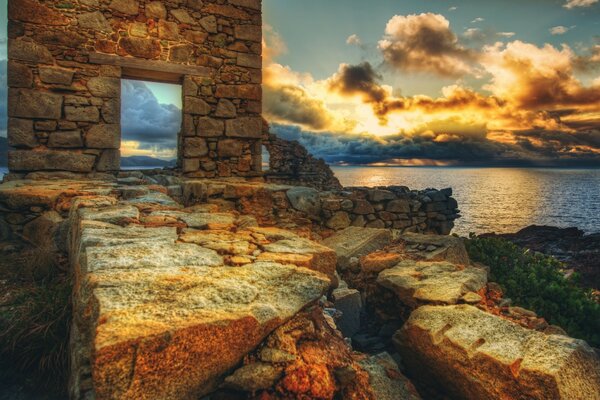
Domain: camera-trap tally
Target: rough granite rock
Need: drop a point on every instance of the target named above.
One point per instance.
(439, 247)
(356, 242)
(435, 282)
(475, 355)
(386, 380)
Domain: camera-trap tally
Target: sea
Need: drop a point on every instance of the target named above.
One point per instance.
(501, 200)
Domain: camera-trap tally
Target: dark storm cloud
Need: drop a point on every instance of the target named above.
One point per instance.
(558, 148)
(147, 121)
(293, 104)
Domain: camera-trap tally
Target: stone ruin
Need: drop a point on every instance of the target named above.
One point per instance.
(66, 60)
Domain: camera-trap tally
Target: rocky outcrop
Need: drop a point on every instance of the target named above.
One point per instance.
(475, 355)
(354, 242)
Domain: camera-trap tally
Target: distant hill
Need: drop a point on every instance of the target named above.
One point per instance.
(144, 161)
(3, 152)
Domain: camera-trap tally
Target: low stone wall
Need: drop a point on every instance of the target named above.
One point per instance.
(396, 207)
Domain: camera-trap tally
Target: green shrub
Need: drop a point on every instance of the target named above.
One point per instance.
(536, 282)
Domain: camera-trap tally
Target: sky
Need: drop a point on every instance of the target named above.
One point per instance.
(412, 82)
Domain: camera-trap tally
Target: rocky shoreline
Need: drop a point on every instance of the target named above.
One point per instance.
(579, 252)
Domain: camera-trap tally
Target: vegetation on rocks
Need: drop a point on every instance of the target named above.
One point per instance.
(537, 282)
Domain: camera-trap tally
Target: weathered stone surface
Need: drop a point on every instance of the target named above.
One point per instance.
(435, 282)
(438, 247)
(210, 127)
(386, 380)
(209, 23)
(475, 355)
(249, 60)
(28, 51)
(349, 303)
(111, 111)
(109, 160)
(103, 136)
(129, 7)
(200, 220)
(357, 242)
(95, 233)
(156, 9)
(58, 76)
(26, 103)
(168, 30)
(253, 4)
(19, 75)
(104, 87)
(230, 148)
(246, 127)
(306, 200)
(249, 92)
(82, 114)
(65, 139)
(117, 214)
(249, 32)
(340, 220)
(139, 47)
(41, 230)
(23, 160)
(183, 16)
(226, 109)
(196, 106)
(34, 12)
(94, 21)
(20, 133)
(398, 206)
(253, 377)
(195, 147)
(138, 29)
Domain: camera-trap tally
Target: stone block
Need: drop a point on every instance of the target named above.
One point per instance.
(475, 355)
(56, 76)
(249, 61)
(194, 147)
(29, 51)
(245, 127)
(349, 303)
(156, 9)
(183, 16)
(103, 136)
(209, 23)
(26, 103)
(168, 30)
(253, 4)
(210, 127)
(94, 21)
(248, 32)
(138, 29)
(109, 160)
(65, 139)
(398, 206)
(35, 12)
(226, 109)
(111, 111)
(339, 220)
(196, 106)
(19, 75)
(104, 86)
(82, 114)
(48, 126)
(139, 47)
(386, 380)
(181, 53)
(20, 133)
(191, 165)
(355, 242)
(128, 7)
(306, 200)
(230, 148)
(247, 92)
(26, 160)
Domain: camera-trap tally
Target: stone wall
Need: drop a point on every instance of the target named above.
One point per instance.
(290, 163)
(66, 60)
(396, 207)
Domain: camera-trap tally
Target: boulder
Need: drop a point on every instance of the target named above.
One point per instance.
(437, 247)
(475, 355)
(349, 303)
(253, 377)
(431, 282)
(357, 242)
(306, 200)
(386, 380)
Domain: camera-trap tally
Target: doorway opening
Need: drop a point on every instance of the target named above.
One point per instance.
(150, 124)
(266, 159)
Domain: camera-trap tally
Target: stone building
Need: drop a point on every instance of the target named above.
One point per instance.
(66, 60)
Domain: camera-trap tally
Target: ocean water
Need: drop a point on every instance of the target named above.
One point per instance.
(500, 200)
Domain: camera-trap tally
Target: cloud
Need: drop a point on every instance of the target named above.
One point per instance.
(506, 34)
(354, 40)
(453, 8)
(559, 30)
(293, 104)
(145, 120)
(570, 4)
(478, 19)
(424, 43)
(533, 77)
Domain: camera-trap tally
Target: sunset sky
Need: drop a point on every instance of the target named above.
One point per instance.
(413, 82)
